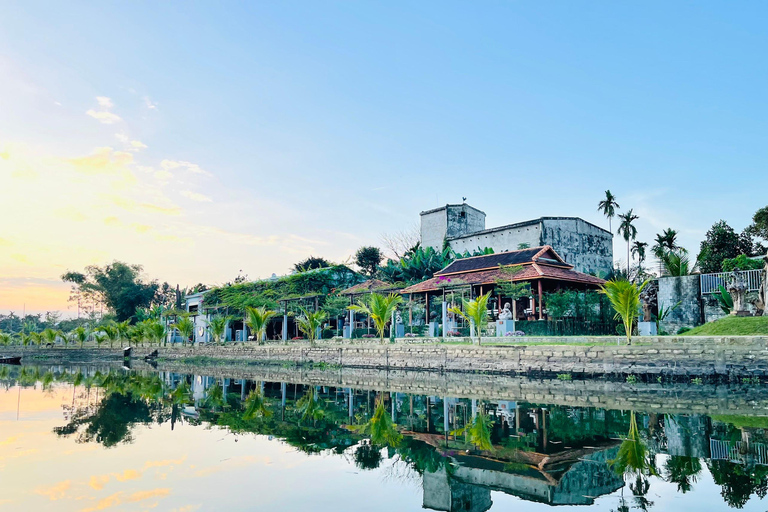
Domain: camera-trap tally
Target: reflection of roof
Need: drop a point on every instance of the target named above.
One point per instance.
(536, 263)
(371, 285)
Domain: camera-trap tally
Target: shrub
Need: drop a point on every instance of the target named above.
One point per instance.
(742, 262)
(683, 329)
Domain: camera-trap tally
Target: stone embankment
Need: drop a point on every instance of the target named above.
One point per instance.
(733, 357)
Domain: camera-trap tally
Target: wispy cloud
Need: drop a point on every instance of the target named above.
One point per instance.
(104, 114)
(169, 165)
(195, 196)
(56, 491)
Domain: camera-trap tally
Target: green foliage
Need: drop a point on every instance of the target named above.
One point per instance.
(309, 322)
(117, 285)
(380, 427)
(721, 243)
(258, 319)
(186, 328)
(310, 406)
(633, 457)
(379, 308)
(256, 406)
(368, 259)
(677, 263)
(476, 312)
(664, 313)
(625, 299)
(420, 263)
(311, 263)
(742, 262)
(725, 300)
(268, 292)
(335, 306)
(217, 326)
(478, 431)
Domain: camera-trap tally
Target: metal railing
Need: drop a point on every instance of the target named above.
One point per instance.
(711, 283)
(738, 452)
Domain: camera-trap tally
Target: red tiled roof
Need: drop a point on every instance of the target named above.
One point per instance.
(529, 272)
(371, 285)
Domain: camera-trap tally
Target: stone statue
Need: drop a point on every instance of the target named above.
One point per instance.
(738, 290)
(398, 318)
(648, 299)
(764, 287)
(647, 316)
(506, 313)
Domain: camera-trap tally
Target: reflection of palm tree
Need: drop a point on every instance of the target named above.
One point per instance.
(633, 457)
(215, 396)
(256, 406)
(310, 407)
(381, 428)
(478, 431)
(683, 471)
(640, 490)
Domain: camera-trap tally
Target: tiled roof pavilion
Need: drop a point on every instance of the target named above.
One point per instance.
(537, 263)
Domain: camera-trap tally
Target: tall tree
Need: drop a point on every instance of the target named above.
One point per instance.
(380, 308)
(608, 207)
(311, 263)
(721, 243)
(628, 231)
(368, 259)
(118, 286)
(638, 249)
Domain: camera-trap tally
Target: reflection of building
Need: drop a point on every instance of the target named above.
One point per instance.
(577, 481)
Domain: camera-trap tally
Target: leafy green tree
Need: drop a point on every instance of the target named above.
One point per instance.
(311, 263)
(476, 312)
(608, 207)
(335, 306)
(628, 231)
(368, 259)
(309, 322)
(118, 286)
(256, 406)
(742, 262)
(625, 299)
(682, 471)
(258, 319)
(721, 243)
(379, 308)
(665, 241)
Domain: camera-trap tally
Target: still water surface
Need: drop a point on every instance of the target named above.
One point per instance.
(87, 439)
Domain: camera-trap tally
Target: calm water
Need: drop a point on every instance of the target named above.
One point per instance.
(84, 439)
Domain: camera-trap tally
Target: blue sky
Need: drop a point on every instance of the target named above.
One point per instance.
(317, 126)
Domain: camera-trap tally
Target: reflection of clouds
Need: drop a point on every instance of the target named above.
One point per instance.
(120, 498)
(99, 481)
(187, 508)
(163, 463)
(56, 491)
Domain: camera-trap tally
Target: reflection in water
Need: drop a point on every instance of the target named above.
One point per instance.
(461, 449)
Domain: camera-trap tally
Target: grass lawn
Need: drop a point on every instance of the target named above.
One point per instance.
(733, 326)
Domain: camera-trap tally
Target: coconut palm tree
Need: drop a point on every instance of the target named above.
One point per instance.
(677, 263)
(186, 328)
(475, 312)
(608, 207)
(665, 241)
(309, 322)
(478, 430)
(217, 326)
(633, 457)
(625, 299)
(379, 308)
(258, 319)
(50, 335)
(5, 338)
(156, 331)
(99, 337)
(112, 334)
(80, 335)
(380, 427)
(628, 231)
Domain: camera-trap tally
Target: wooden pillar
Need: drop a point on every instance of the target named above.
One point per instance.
(540, 301)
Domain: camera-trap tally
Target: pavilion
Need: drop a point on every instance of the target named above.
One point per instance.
(541, 267)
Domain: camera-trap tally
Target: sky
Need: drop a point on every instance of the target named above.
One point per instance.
(201, 139)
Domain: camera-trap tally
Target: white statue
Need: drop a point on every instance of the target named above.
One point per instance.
(764, 287)
(398, 318)
(506, 313)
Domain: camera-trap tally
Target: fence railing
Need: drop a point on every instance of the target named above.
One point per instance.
(738, 452)
(711, 283)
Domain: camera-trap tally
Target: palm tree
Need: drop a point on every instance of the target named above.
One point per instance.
(638, 249)
(379, 308)
(36, 338)
(186, 328)
(218, 327)
(625, 299)
(608, 207)
(665, 241)
(475, 312)
(633, 457)
(5, 338)
(381, 428)
(628, 231)
(156, 331)
(478, 430)
(111, 333)
(122, 329)
(100, 338)
(308, 323)
(50, 335)
(80, 334)
(257, 319)
(677, 263)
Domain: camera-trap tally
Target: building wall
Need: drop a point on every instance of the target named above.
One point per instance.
(434, 227)
(499, 239)
(585, 246)
(685, 289)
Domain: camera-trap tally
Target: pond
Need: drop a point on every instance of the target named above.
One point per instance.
(90, 439)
